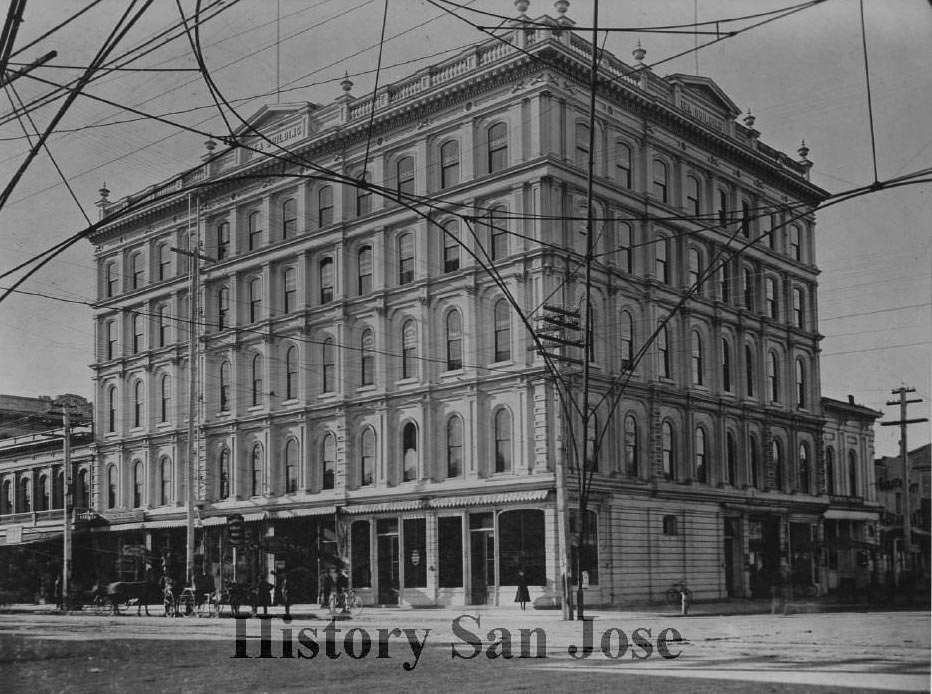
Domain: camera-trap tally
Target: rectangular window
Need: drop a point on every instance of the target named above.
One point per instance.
(255, 230)
(325, 206)
(165, 262)
(451, 250)
(223, 241)
(111, 340)
(406, 259)
(365, 270)
(290, 291)
(623, 164)
(326, 280)
(745, 219)
(450, 547)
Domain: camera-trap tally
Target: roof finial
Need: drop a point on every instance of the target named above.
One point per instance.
(803, 153)
(639, 53)
(521, 6)
(749, 118)
(104, 192)
(561, 6)
(347, 83)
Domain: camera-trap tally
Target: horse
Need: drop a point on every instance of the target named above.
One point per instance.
(142, 592)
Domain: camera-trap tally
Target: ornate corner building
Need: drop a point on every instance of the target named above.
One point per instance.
(368, 390)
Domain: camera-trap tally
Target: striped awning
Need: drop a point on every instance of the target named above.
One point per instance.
(490, 499)
(385, 507)
(303, 512)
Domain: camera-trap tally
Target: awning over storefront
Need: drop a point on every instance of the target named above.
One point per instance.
(845, 514)
(303, 512)
(490, 499)
(385, 507)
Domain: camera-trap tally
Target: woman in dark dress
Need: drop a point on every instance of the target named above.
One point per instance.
(522, 596)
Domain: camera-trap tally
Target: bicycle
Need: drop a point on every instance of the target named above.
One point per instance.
(187, 602)
(676, 591)
(345, 602)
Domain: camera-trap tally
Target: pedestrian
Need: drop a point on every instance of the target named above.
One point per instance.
(522, 596)
(285, 597)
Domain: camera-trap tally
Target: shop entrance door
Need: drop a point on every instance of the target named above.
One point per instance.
(387, 529)
(482, 557)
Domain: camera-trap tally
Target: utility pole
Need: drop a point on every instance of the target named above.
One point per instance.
(193, 391)
(66, 510)
(903, 422)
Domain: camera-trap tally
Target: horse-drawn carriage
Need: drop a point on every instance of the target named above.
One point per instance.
(112, 597)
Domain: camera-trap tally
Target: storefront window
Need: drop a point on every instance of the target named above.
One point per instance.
(450, 545)
(521, 545)
(361, 570)
(415, 541)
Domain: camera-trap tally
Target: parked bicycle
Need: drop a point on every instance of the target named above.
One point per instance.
(345, 602)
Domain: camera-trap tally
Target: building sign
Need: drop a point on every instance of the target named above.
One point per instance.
(279, 138)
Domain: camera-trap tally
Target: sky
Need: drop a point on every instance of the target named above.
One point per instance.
(802, 76)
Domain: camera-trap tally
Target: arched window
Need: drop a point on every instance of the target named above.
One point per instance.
(623, 163)
(663, 352)
(25, 495)
(367, 457)
(454, 338)
(631, 446)
(749, 370)
(449, 163)
(138, 402)
(225, 386)
(6, 498)
(409, 350)
(83, 491)
(325, 206)
(112, 280)
(773, 376)
(112, 486)
(364, 270)
(667, 451)
(746, 219)
(502, 318)
(770, 298)
(454, 446)
(503, 441)
(367, 358)
(404, 170)
(162, 316)
(137, 270)
(799, 315)
(45, 493)
(662, 259)
(693, 195)
(329, 461)
(111, 408)
(409, 452)
(223, 308)
(165, 481)
(804, 471)
(498, 233)
(625, 256)
(291, 466)
(289, 290)
(289, 218)
(779, 476)
(724, 283)
(138, 334)
(451, 246)
(363, 195)
(582, 145)
(257, 394)
(659, 180)
(830, 471)
(695, 270)
(748, 288)
(853, 473)
(328, 366)
(405, 258)
(291, 373)
(255, 230)
(726, 366)
(701, 470)
(795, 249)
(722, 207)
(225, 471)
(165, 399)
(139, 484)
(731, 459)
(111, 339)
(164, 260)
(800, 383)
(223, 240)
(753, 462)
(255, 299)
(627, 341)
(697, 359)
(498, 147)
(257, 486)
(326, 280)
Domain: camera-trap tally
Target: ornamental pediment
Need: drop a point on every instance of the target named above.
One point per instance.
(703, 93)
